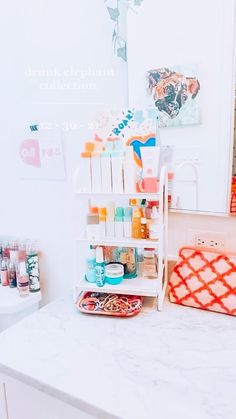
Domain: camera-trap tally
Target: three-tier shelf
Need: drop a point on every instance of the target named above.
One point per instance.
(145, 287)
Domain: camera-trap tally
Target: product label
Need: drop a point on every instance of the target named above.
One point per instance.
(33, 271)
(23, 284)
(153, 232)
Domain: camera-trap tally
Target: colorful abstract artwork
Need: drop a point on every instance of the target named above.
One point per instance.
(175, 92)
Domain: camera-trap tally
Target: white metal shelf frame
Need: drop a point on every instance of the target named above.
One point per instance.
(136, 286)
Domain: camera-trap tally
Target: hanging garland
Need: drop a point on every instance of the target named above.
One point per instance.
(119, 38)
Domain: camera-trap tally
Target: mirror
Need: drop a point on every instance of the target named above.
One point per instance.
(233, 185)
(180, 61)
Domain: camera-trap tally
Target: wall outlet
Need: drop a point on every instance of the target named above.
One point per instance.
(207, 239)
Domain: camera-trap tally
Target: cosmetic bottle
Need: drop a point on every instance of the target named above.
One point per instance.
(129, 170)
(102, 221)
(128, 222)
(96, 172)
(85, 171)
(14, 251)
(143, 228)
(136, 223)
(153, 228)
(150, 164)
(93, 228)
(140, 262)
(100, 267)
(106, 172)
(148, 213)
(22, 251)
(32, 265)
(4, 272)
(119, 222)
(149, 267)
(117, 171)
(12, 275)
(110, 224)
(6, 249)
(90, 275)
(23, 280)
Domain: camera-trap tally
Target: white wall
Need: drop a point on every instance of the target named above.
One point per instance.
(51, 36)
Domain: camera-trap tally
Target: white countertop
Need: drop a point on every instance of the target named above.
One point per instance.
(11, 302)
(179, 364)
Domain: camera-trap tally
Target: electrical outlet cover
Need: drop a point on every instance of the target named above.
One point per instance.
(207, 239)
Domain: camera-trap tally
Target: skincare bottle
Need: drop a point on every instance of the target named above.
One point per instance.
(6, 249)
(100, 267)
(150, 164)
(136, 223)
(110, 224)
(4, 272)
(149, 266)
(32, 264)
(12, 275)
(129, 171)
(93, 228)
(23, 280)
(85, 171)
(140, 262)
(117, 171)
(96, 172)
(22, 251)
(119, 219)
(143, 228)
(128, 222)
(106, 172)
(14, 251)
(90, 275)
(153, 232)
(102, 221)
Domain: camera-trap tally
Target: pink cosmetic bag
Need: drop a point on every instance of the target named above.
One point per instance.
(204, 279)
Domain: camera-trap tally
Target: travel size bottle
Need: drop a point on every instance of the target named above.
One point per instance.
(12, 275)
(90, 275)
(32, 263)
(23, 280)
(100, 267)
(119, 225)
(153, 232)
(102, 221)
(128, 222)
(136, 223)
(143, 228)
(4, 272)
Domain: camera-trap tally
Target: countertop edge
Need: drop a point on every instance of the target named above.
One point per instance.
(58, 394)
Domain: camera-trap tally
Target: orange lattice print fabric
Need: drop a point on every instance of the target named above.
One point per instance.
(204, 279)
(233, 196)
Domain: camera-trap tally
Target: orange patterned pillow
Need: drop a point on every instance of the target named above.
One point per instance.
(204, 279)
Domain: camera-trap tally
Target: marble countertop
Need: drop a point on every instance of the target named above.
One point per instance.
(180, 363)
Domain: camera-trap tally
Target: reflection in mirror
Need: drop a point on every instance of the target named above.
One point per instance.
(233, 191)
(185, 71)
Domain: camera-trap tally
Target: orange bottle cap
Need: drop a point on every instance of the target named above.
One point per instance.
(103, 211)
(133, 202)
(89, 147)
(85, 154)
(94, 210)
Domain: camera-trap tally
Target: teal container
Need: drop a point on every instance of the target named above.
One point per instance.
(114, 273)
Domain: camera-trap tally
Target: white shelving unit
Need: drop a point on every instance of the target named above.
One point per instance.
(155, 288)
